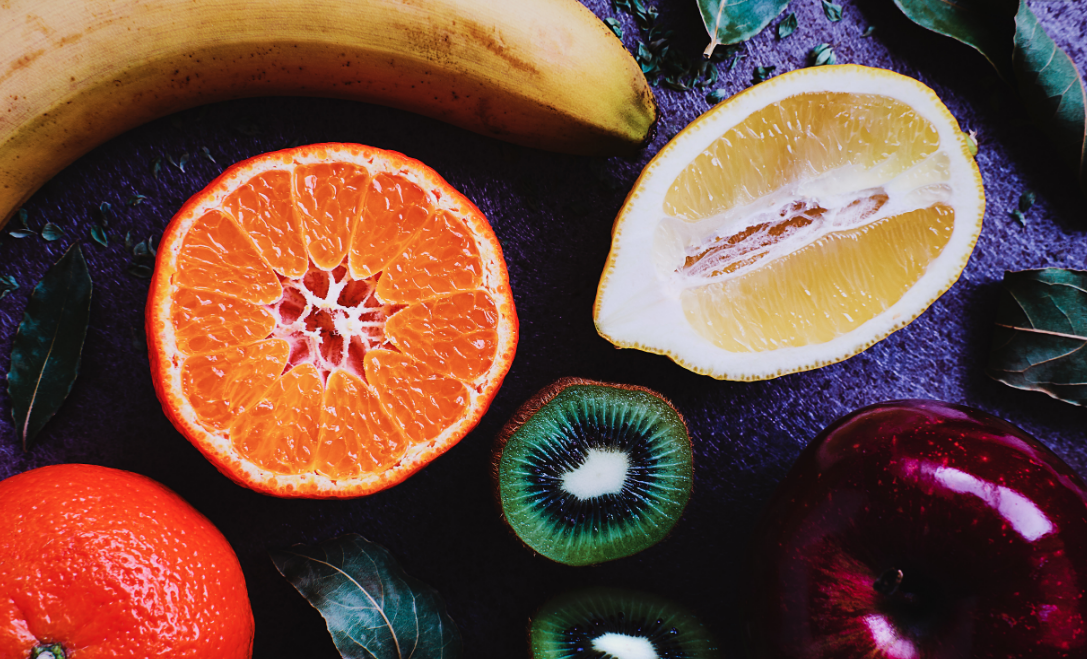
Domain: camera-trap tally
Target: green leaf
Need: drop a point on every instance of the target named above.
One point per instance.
(612, 23)
(21, 234)
(761, 73)
(1026, 200)
(716, 96)
(787, 26)
(1008, 34)
(105, 209)
(1052, 90)
(181, 161)
(141, 271)
(832, 11)
(47, 348)
(51, 232)
(823, 54)
(733, 21)
(985, 25)
(8, 283)
(373, 609)
(136, 199)
(1040, 339)
(156, 167)
(868, 31)
(98, 235)
(207, 152)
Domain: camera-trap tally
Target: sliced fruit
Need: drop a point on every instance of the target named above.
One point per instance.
(589, 472)
(617, 623)
(793, 226)
(282, 350)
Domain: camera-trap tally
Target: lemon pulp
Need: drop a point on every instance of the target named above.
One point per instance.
(810, 217)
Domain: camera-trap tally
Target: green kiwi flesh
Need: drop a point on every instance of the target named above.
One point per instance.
(610, 623)
(590, 472)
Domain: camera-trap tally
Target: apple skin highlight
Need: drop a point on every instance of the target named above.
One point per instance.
(922, 530)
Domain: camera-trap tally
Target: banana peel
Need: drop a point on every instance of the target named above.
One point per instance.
(539, 73)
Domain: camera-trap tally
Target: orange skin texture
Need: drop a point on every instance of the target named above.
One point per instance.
(113, 564)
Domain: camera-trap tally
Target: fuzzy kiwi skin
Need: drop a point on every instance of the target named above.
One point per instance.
(596, 602)
(532, 406)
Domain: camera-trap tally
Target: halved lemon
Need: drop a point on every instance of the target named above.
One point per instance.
(793, 226)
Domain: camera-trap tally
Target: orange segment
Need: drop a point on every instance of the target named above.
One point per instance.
(280, 432)
(395, 211)
(205, 322)
(218, 255)
(423, 402)
(357, 359)
(443, 259)
(224, 384)
(330, 196)
(264, 208)
(356, 435)
(455, 335)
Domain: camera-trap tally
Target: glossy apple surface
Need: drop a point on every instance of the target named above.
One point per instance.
(922, 530)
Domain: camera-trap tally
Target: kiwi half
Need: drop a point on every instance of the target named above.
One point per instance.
(610, 623)
(589, 472)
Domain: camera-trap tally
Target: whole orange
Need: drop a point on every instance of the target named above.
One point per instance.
(98, 562)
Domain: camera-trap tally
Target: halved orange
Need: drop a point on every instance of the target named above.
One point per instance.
(326, 320)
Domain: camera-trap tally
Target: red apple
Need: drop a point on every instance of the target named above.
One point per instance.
(922, 530)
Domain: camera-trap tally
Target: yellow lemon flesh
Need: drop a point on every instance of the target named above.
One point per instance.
(793, 225)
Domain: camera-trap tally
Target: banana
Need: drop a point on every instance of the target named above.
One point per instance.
(541, 73)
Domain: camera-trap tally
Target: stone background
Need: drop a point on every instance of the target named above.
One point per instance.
(553, 215)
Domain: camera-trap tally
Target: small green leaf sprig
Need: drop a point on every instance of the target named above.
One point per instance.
(1026, 201)
(8, 284)
(21, 228)
(662, 64)
(142, 265)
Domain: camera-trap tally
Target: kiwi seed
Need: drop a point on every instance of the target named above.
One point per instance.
(617, 624)
(589, 472)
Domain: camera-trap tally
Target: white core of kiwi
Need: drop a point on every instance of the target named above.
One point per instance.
(622, 646)
(603, 471)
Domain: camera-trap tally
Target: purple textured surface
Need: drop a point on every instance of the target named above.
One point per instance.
(553, 216)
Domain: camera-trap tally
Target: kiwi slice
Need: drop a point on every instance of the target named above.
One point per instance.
(610, 623)
(589, 472)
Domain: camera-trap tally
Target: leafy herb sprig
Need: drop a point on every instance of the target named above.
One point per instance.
(21, 228)
(1026, 201)
(8, 284)
(661, 63)
(143, 257)
(98, 231)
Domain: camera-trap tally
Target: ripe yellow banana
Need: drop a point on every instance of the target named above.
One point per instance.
(542, 73)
